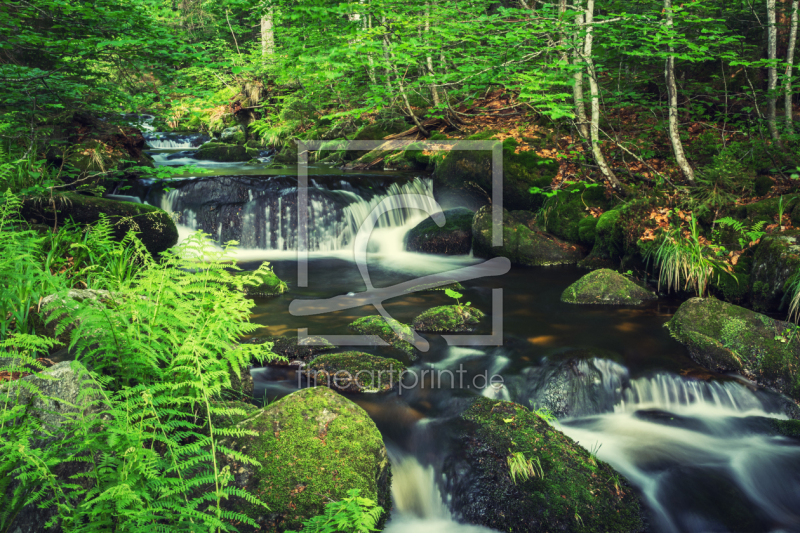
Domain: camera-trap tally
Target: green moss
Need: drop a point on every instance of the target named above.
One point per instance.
(573, 482)
(355, 372)
(453, 284)
(605, 286)
(215, 151)
(264, 282)
(521, 244)
(787, 428)
(293, 351)
(776, 259)
(767, 210)
(733, 288)
(313, 446)
(521, 171)
(563, 214)
(729, 338)
(454, 238)
(385, 329)
(448, 319)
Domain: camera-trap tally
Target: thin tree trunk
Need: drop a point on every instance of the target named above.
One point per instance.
(577, 86)
(594, 90)
(428, 58)
(772, 71)
(390, 57)
(787, 84)
(371, 70)
(267, 35)
(672, 97)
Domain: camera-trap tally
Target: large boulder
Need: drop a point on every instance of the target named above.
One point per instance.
(568, 214)
(454, 238)
(384, 328)
(605, 286)
(355, 372)
(609, 241)
(53, 397)
(313, 446)
(523, 243)
(448, 319)
(222, 152)
(776, 260)
(569, 483)
(232, 135)
(155, 227)
(727, 338)
(464, 177)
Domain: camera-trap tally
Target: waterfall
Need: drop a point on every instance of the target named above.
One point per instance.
(262, 213)
(174, 141)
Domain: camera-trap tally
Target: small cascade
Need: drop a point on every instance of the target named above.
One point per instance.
(261, 214)
(157, 140)
(418, 503)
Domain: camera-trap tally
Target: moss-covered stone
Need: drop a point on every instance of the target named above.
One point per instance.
(355, 372)
(448, 319)
(727, 338)
(225, 414)
(385, 329)
(313, 446)
(287, 155)
(733, 288)
(523, 244)
(294, 352)
(427, 287)
(263, 282)
(155, 227)
(767, 210)
(776, 260)
(609, 241)
(454, 238)
(605, 286)
(374, 132)
(232, 135)
(786, 428)
(563, 215)
(467, 174)
(572, 483)
(214, 151)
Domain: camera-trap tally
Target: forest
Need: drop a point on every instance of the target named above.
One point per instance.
(431, 266)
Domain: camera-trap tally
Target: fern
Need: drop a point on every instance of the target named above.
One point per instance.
(353, 514)
(746, 234)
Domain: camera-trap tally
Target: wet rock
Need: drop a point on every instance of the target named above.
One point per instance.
(313, 446)
(575, 382)
(608, 287)
(355, 372)
(296, 353)
(454, 238)
(566, 215)
(287, 155)
(241, 384)
(224, 153)
(155, 228)
(464, 177)
(609, 241)
(727, 338)
(523, 243)
(568, 481)
(385, 329)
(448, 319)
(776, 260)
(262, 282)
(429, 287)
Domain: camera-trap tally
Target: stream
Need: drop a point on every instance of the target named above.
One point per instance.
(688, 440)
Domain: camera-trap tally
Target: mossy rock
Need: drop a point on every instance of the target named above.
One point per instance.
(384, 329)
(355, 372)
(572, 482)
(232, 135)
(563, 215)
(313, 446)
(243, 411)
(733, 288)
(609, 241)
(785, 428)
(224, 153)
(94, 156)
(296, 353)
(376, 132)
(454, 238)
(523, 244)
(727, 338)
(406, 160)
(605, 286)
(464, 177)
(429, 287)
(263, 282)
(287, 155)
(155, 227)
(448, 319)
(776, 260)
(767, 210)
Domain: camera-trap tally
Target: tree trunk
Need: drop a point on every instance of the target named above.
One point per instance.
(428, 58)
(787, 85)
(594, 90)
(390, 57)
(582, 121)
(672, 97)
(267, 35)
(772, 71)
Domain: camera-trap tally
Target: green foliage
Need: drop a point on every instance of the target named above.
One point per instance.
(523, 468)
(746, 234)
(720, 183)
(353, 514)
(684, 261)
(161, 340)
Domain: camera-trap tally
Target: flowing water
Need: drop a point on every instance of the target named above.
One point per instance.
(692, 443)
